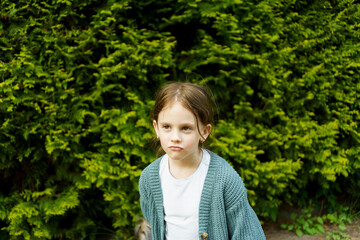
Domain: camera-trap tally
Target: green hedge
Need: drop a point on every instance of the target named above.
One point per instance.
(77, 80)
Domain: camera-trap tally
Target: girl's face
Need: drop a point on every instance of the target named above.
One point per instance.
(179, 136)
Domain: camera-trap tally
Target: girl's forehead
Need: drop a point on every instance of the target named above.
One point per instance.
(176, 110)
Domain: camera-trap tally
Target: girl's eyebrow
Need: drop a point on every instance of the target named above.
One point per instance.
(182, 124)
(164, 123)
(187, 123)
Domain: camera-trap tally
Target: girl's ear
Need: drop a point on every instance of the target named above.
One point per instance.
(206, 131)
(156, 128)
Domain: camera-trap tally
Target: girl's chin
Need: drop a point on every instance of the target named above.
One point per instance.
(175, 155)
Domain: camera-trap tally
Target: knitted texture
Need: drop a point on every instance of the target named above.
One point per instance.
(224, 211)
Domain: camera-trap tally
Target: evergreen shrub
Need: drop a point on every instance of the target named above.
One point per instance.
(77, 81)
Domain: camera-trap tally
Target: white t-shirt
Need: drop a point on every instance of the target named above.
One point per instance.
(182, 200)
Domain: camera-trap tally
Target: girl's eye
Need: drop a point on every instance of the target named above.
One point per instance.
(166, 126)
(186, 128)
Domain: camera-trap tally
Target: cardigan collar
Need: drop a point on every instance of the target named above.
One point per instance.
(157, 193)
(206, 195)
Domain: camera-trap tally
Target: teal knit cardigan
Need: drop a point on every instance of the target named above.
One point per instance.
(224, 211)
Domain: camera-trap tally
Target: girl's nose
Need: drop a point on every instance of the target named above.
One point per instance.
(175, 137)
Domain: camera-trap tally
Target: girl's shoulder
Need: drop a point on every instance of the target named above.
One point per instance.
(226, 178)
(151, 168)
(223, 170)
(220, 163)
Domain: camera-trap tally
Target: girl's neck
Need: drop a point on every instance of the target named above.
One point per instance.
(185, 168)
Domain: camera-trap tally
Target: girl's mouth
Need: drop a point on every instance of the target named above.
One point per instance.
(175, 148)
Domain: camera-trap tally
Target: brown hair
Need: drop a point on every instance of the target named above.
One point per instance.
(193, 97)
(143, 230)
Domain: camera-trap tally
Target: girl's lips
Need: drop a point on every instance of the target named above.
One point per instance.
(175, 148)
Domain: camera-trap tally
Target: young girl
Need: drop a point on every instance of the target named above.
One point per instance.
(192, 193)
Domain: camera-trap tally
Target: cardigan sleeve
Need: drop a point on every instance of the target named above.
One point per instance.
(148, 200)
(241, 219)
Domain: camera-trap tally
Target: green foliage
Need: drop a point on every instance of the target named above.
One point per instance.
(307, 223)
(338, 235)
(77, 81)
